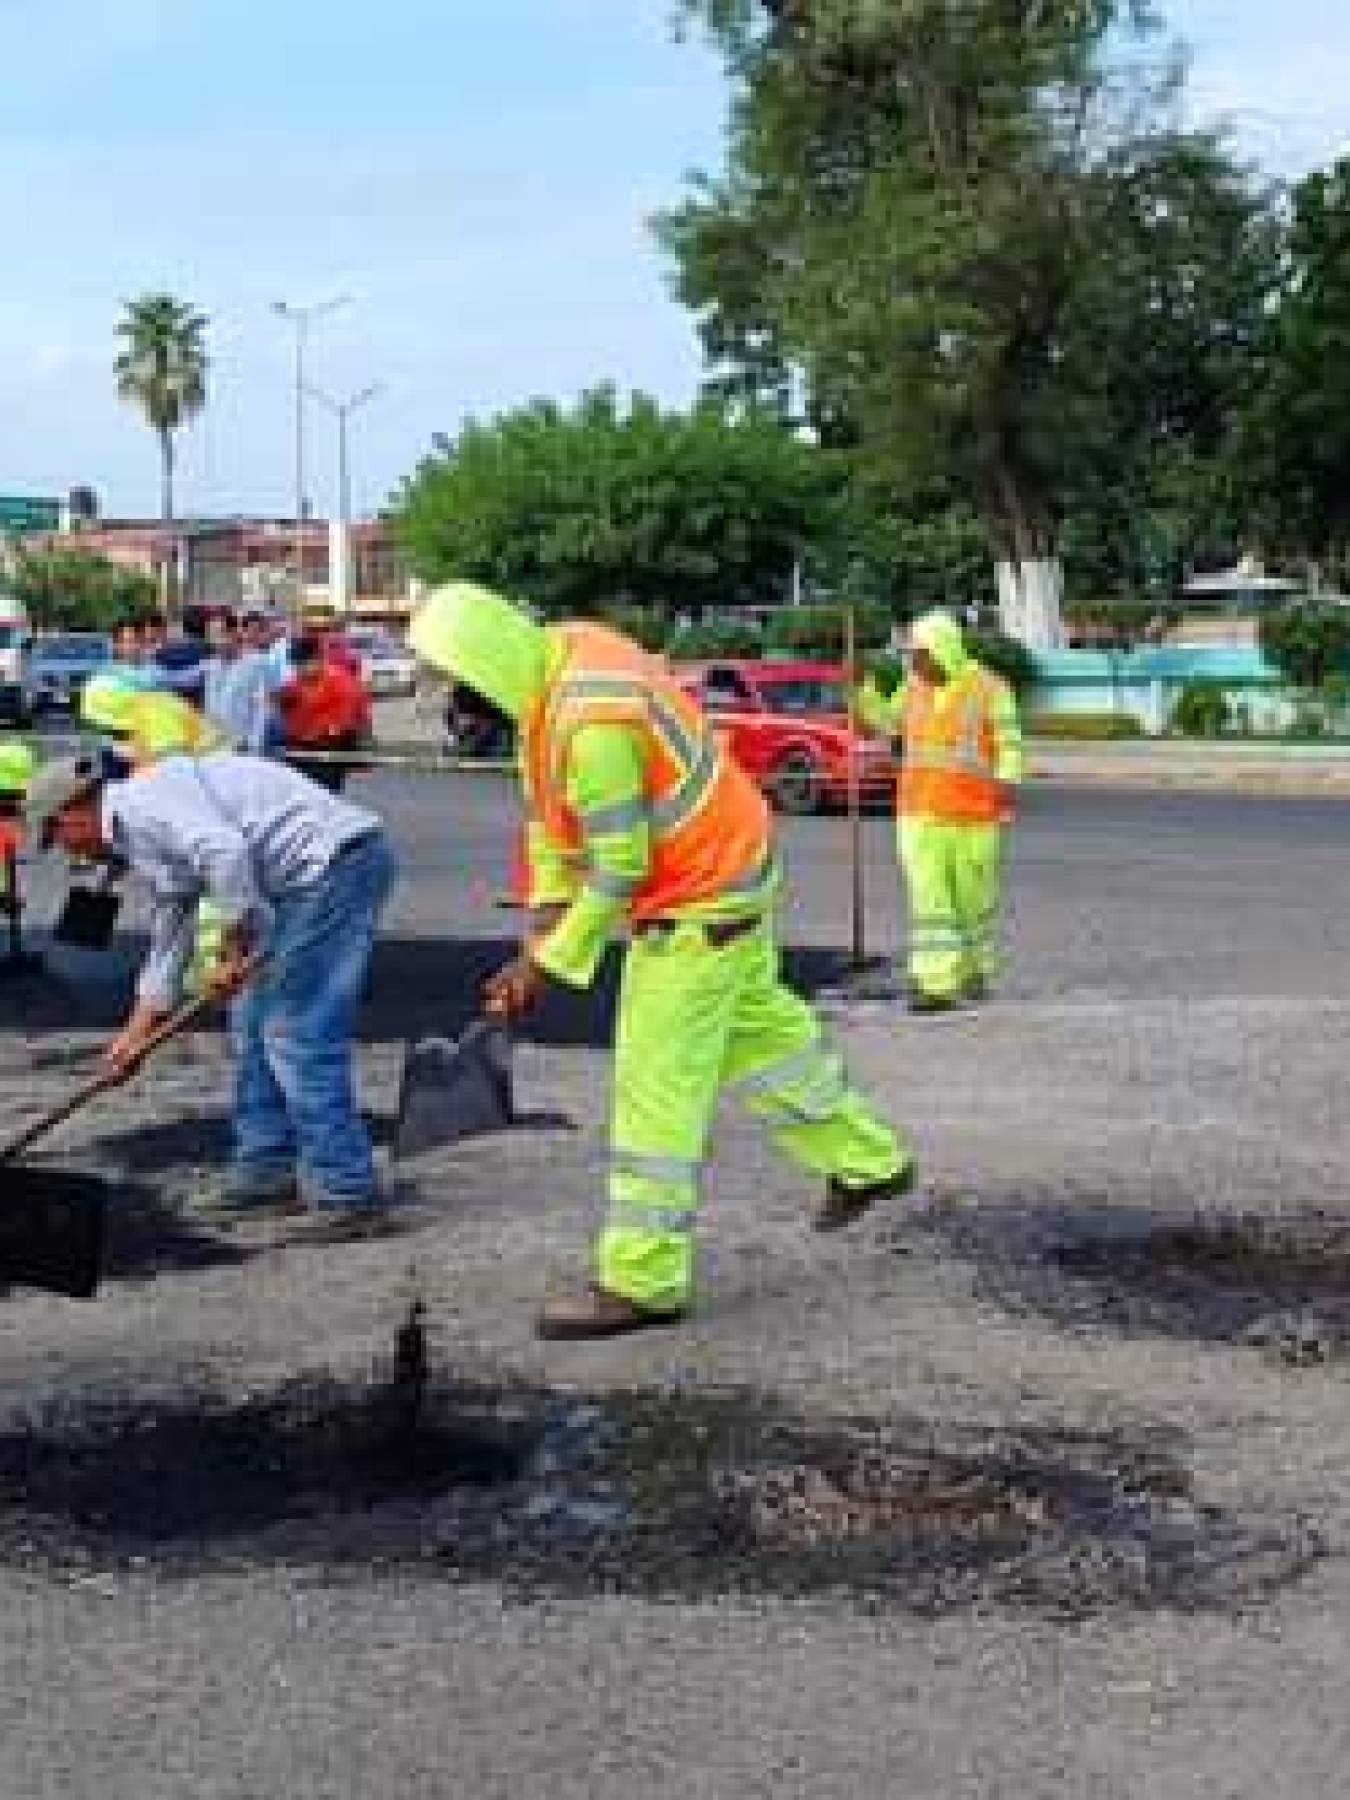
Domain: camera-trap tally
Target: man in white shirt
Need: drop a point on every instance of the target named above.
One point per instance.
(240, 681)
(300, 878)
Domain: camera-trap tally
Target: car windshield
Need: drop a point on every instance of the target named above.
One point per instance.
(10, 635)
(805, 696)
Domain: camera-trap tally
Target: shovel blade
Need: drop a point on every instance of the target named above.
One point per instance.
(52, 1231)
(454, 1090)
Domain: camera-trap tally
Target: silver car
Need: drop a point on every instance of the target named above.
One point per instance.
(56, 668)
(388, 667)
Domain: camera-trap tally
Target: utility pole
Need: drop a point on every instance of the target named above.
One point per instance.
(302, 317)
(342, 411)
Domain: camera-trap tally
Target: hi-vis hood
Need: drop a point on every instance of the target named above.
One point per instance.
(939, 634)
(17, 766)
(477, 637)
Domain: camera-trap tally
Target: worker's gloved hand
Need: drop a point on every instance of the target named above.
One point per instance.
(122, 1057)
(1007, 811)
(514, 990)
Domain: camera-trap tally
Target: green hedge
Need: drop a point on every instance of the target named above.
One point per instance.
(1202, 710)
(817, 632)
(718, 637)
(1085, 727)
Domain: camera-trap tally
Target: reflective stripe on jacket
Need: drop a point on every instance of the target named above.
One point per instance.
(953, 749)
(709, 823)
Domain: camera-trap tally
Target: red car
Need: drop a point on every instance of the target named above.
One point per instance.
(787, 724)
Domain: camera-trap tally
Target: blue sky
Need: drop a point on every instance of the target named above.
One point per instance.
(475, 174)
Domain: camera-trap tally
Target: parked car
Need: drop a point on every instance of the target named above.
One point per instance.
(787, 724)
(58, 667)
(388, 667)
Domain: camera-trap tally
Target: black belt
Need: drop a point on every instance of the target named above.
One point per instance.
(717, 933)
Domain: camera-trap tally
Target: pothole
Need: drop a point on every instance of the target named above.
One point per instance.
(198, 1477)
(687, 1493)
(1282, 1283)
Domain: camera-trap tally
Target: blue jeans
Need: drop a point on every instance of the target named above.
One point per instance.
(295, 1108)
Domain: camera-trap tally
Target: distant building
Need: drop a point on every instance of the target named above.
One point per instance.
(234, 562)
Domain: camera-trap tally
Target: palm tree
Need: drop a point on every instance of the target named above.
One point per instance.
(162, 369)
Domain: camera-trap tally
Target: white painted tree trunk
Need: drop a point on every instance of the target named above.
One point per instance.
(1030, 599)
(340, 567)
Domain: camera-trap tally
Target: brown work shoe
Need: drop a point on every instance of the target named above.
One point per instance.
(598, 1314)
(844, 1205)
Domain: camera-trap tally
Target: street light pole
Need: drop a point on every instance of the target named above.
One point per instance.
(302, 317)
(342, 411)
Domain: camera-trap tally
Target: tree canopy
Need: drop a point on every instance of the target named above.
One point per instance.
(975, 235)
(72, 590)
(161, 369)
(1294, 460)
(610, 504)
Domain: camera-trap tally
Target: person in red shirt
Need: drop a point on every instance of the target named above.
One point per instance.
(324, 707)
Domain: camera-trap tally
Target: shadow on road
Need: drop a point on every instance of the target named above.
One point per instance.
(420, 987)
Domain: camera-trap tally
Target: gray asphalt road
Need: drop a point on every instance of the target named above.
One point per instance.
(1167, 1053)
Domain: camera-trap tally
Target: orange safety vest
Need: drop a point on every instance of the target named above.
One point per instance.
(950, 752)
(709, 822)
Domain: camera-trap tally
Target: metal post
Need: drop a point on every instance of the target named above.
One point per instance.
(301, 317)
(855, 790)
(342, 411)
(301, 326)
(344, 473)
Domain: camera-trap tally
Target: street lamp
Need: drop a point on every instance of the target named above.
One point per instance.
(339, 544)
(342, 411)
(302, 317)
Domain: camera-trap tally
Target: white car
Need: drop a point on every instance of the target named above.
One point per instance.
(388, 667)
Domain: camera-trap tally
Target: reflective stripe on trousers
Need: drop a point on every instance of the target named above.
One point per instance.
(695, 1018)
(953, 878)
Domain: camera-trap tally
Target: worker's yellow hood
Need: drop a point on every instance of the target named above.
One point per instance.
(477, 637)
(939, 634)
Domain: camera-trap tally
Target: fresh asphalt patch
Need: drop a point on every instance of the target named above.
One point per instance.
(675, 1494)
(1091, 1264)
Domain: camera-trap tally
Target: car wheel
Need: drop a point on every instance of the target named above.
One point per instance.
(795, 783)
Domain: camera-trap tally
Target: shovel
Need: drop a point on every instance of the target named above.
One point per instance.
(53, 1221)
(454, 1089)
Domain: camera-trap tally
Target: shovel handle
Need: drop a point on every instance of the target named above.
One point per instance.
(174, 1026)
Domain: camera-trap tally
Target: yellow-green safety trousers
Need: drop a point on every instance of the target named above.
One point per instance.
(953, 875)
(695, 1018)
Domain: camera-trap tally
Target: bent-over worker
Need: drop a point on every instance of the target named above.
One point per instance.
(300, 878)
(638, 820)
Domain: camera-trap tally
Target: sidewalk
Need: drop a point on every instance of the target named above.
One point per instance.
(1259, 768)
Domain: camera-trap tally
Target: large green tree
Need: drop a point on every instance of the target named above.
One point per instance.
(608, 504)
(161, 369)
(971, 232)
(1294, 464)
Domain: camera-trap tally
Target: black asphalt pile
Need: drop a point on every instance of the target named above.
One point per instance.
(1279, 1283)
(678, 1494)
